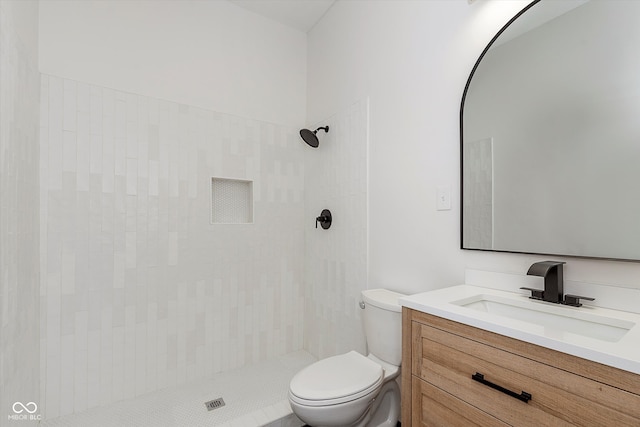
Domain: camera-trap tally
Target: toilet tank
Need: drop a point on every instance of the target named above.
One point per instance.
(382, 317)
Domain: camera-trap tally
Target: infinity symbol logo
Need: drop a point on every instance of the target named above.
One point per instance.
(22, 407)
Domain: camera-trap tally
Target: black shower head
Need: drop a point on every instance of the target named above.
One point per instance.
(310, 136)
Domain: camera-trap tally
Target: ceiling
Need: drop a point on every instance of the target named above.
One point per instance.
(299, 14)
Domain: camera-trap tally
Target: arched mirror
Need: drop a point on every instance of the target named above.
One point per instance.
(550, 134)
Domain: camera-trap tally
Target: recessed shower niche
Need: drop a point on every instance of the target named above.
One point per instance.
(231, 201)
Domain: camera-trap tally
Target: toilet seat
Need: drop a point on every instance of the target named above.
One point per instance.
(336, 380)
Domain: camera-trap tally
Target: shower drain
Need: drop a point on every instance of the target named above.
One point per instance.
(214, 404)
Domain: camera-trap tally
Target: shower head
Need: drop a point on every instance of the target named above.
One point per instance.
(310, 136)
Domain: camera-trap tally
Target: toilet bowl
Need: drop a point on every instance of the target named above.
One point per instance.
(351, 390)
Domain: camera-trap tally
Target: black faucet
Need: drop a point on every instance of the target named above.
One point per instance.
(553, 281)
(553, 284)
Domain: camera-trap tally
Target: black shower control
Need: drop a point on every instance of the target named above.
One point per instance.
(324, 219)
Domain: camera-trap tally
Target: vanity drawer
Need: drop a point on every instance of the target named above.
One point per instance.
(448, 361)
(438, 408)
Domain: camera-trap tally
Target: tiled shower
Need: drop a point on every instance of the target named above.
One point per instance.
(335, 263)
(19, 223)
(141, 291)
(116, 283)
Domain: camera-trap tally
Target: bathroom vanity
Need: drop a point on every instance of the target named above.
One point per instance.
(456, 374)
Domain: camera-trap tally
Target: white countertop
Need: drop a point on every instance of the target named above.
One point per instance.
(623, 353)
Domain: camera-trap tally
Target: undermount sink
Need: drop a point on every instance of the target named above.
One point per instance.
(556, 318)
(592, 332)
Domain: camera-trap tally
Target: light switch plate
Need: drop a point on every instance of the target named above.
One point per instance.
(443, 194)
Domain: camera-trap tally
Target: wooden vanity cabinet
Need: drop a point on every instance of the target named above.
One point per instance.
(516, 383)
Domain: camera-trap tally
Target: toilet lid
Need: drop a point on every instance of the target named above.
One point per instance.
(336, 377)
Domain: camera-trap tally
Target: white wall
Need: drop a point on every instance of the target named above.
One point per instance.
(209, 54)
(19, 206)
(412, 59)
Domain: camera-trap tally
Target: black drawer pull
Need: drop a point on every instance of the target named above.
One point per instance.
(524, 396)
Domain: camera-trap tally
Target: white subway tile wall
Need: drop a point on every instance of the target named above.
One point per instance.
(139, 291)
(19, 200)
(336, 259)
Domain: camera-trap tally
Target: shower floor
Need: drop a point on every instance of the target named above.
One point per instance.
(255, 395)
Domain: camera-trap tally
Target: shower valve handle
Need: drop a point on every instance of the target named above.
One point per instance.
(324, 219)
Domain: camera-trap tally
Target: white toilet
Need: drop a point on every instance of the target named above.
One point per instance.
(351, 390)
